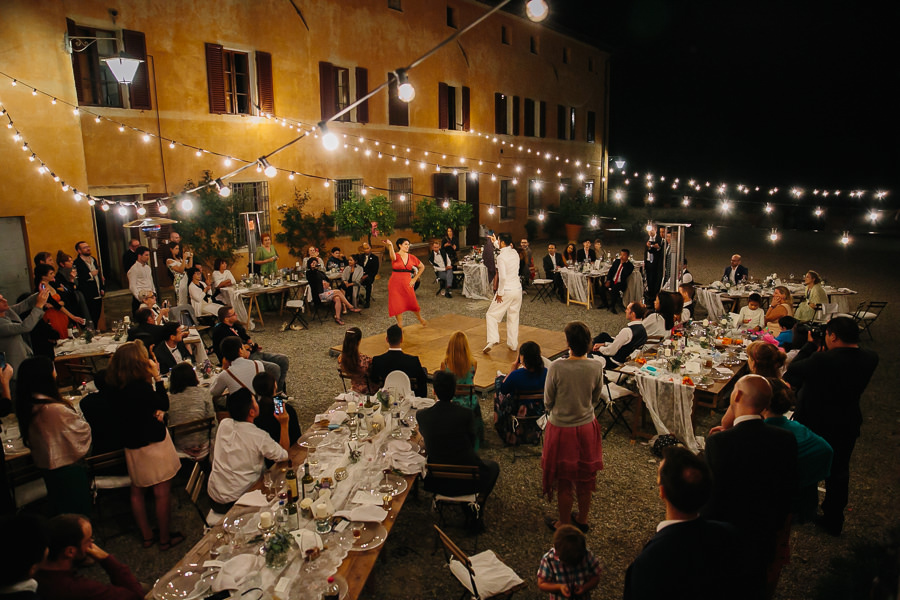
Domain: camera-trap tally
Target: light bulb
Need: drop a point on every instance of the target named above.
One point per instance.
(593, 221)
(446, 204)
(186, 204)
(77, 196)
(710, 231)
(163, 209)
(364, 191)
(327, 183)
(491, 209)
(123, 211)
(406, 92)
(541, 216)
(104, 206)
(224, 190)
(845, 239)
(774, 235)
(141, 211)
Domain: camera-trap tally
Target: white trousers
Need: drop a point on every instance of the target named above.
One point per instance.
(511, 305)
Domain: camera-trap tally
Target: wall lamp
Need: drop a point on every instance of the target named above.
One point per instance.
(123, 67)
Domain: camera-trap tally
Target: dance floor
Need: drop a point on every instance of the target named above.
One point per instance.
(430, 344)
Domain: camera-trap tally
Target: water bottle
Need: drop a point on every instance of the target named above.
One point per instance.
(395, 421)
(281, 517)
(332, 591)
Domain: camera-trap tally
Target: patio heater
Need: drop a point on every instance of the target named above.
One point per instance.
(150, 227)
(252, 221)
(675, 238)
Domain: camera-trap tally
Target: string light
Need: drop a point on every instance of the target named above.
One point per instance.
(187, 204)
(222, 188)
(773, 235)
(405, 90)
(710, 231)
(329, 140)
(845, 238)
(163, 209)
(141, 211)
(491, 209)
(593, 221)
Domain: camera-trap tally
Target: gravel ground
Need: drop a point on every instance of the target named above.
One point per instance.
(626, 508)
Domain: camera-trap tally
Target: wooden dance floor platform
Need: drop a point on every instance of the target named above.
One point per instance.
(430, 344)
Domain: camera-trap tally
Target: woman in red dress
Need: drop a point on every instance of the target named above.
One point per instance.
(401, 285)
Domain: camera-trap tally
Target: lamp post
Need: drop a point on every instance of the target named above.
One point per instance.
(123, 67)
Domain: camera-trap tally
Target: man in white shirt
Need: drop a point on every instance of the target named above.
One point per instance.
(443, 269)
(237, 370)
(508, 299)
(140, 277)
(615, 351)
(241, 449)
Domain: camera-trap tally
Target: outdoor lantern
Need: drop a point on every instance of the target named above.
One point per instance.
(123, 67)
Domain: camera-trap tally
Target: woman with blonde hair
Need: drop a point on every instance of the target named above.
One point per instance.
(780, 306)
(459, 361)
(133, 376)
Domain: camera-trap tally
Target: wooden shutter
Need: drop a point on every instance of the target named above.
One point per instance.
(265, 86)
(466, 121)
(515, 127)
(326, 89)
(529, 117)
(543, 119)
(499, 113)
(398, 110)
(591, 134)
(139, 91)
(72, 28)
(362, 88)
(438, 184)
(560, 122)
(215, 78)
(443, 109)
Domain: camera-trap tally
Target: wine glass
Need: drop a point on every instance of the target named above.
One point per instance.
(268, 486)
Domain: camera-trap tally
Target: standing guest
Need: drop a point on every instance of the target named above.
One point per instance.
(336, 261)
(190, 402)
(238, 369)
(100, 411)
(352, 276)
(614, 351)
(508, 298)
(56, 433)
(229, 325)
(690, 556)
(735, 272)
(164, 252)
(200, 294)
(443, 269)
(140, 277)
(130, 256)
(90, 280)
(459, 361)
(531, 271)
(321, 288)
(752, 317)
(401, 285)
(14, 329)
(815, 298)
(569, 569)
(178, 266)
(553, 262)
(687, 296)
(22, 559)
(397, 360)
(151, 457)
(266, 260)
(586, 252)
(71, 546)
(780, 306)
(353, 363)
(828, 402)
(573, 451)
(527, 374)
(570, 255)
(241, 450)
(265, 387)
(56, 313)
(617, 280)
(754, 468)
(369, 264)
(660, 322)
(449, 434)
(222, 278)
(450, 244)
(653, 261)
(67, 280)
(489, 260)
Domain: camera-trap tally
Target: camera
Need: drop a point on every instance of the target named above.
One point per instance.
(817, 332)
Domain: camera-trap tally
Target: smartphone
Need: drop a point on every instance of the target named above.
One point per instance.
(165, 304)
(2, 360)
(279, 406)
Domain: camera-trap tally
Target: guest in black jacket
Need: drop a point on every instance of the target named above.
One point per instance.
(101, 413)
(369, 264)
(265, 388)
(586, 253)
(172, 349)
(145, 329)
(617, 280)
(552, 263)
(396, 360)
(449, 433)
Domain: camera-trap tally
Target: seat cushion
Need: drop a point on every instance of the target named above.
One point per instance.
(617, 391)
(294, 303)
(112, 482)
(492, 575)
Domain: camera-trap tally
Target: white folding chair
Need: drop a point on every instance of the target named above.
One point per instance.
(398, 380)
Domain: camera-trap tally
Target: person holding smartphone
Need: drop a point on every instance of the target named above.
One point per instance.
(271, 406)
(15, 331)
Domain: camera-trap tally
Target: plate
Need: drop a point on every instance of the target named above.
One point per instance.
(186, 583)
(312, 438)
(396, 484)
(371, 535)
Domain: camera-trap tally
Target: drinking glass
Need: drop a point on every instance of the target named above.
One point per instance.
(312, 456)
(268, 486)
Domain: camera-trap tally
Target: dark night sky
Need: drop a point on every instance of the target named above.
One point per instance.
(768, 93)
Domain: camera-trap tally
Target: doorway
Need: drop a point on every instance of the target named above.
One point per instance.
(15, 268)
(112, 239)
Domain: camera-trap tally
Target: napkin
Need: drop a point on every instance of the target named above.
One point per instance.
(236, 570)
(254, 498)
(334, 418)
(364, 497)
(408, 462)
(368, 512)
(419, 403)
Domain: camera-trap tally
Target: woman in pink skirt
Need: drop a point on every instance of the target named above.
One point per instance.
(572, 440)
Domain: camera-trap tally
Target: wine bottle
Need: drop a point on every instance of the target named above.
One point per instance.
(290, 482)
(308, 483)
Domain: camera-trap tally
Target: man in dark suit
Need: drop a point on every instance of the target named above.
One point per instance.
(754, 469)
(449, 433)
(369, 264)
(130, 257)
(654, 263)
(690, 556)
(396, 360)
(831, 384)
(90, 280)
(172, 350)
(145, 329)
(552, 263)
(736, 272)
(616, 280)
(586, 252)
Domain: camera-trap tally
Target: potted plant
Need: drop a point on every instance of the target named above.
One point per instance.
(207, 227)
(432, 219)
(359, 217)
(574, 213)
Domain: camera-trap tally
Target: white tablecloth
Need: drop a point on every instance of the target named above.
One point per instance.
(234, 298)
(670, 404)
(577, 284)
(476, 283)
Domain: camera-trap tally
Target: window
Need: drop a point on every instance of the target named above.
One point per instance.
(398, 110)
(591, 133)
(229, 80)
(396, 5)
(453, 107)
(251, 196)
(535, 197)
(345, 188)
(504, 35)
(401, 199)
(589, 189)
(571, 123)
(565, 56)
(500, 110)
(533, 45)
(507, 199)
(451, 17)
(530, 117)
(560, 122)
(94, 82)
(336, 88)
(542, 119)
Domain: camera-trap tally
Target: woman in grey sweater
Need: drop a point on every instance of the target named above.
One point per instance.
(572, 452)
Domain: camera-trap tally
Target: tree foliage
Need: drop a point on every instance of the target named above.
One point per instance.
(356, 214)
(432, 219)
(302, 229)
(207, 228)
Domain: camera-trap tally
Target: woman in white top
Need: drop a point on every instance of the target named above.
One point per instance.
(177, 266)
(660, 323)
(221, 278)
(352, 275)
(199, 292)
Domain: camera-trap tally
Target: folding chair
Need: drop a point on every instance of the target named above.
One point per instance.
(25, 481)
(470, 503)
(544, 288)
(528, 423)
(828, 310)
(184, 429)
(193, 488)
(298, 306)
(346, 379)
(503, 582)
(617, 399)
(866, 315)
(184, 314)
(107, 471)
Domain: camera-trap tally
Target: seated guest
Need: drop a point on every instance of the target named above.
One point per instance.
(313, 252)
(570, 255)
(321, 289)
(690, 556)
(686, 276)
(189, 402)
(396, 360)
(735, 272)
(786, 336)
(356, 365)
(660, 322)
(815, 297)
(43, 258)
(459, 361)
(200, 294)
(527, 374)
(56, 313)
(814, 454)
(22, 559)
(598, 252)
(586, 252)
(238, 370)
(229, 325)
(553, 262)
(221, 278)
(687, 295)
(241, 450)
(616, 280)
(71, 545)
(352, 277)
(148, 299)
(780, 306)
(336, 261)
(172, 350)
(443, 269)
(677, 306)
(265, 387)
(449, 434)
(7, 502)
(99, 410)
(763, 359)
(752, 316)
(615, 351)
(144, 326)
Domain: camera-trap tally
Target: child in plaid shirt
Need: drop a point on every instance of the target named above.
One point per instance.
(569, 569)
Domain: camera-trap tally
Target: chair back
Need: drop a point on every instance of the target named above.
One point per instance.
(194, 487)
(183, 429)
(399, 381)
(105, 470)
(461, 472)
(25, 480)
(184, 314)
(466, 390)
(452, 550)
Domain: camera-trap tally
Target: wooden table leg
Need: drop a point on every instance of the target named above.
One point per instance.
(255, 302)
